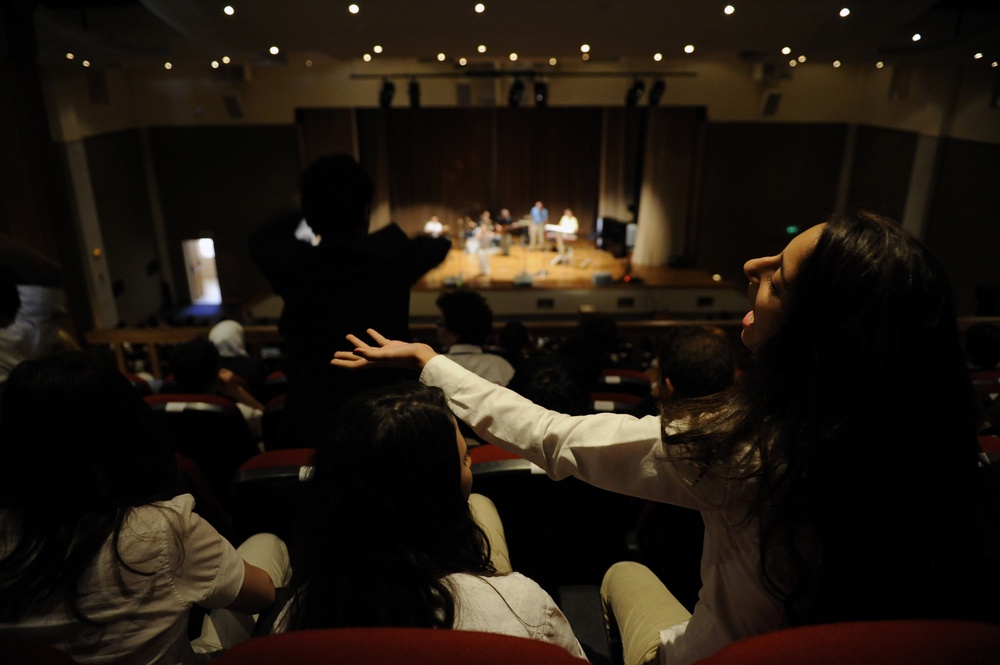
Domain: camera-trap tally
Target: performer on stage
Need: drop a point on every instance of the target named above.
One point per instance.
(568, 226)
(503, 227)
(539, 217)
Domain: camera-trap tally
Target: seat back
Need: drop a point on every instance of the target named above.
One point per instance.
(869, 643)
(589, 535)
(267, 492)
(385, 646)
(208, 429)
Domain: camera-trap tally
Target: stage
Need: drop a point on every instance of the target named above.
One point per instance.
(532, 285)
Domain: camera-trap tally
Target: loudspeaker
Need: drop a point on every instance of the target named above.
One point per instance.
(769, 102)
(234, 105)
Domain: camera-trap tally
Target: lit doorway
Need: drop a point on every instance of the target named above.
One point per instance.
(203, 279)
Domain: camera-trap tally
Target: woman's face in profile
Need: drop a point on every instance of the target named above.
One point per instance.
(771, 278)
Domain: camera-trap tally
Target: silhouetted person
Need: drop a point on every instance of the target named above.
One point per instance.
(337, 279)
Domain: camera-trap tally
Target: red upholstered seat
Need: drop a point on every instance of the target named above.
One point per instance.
(869, 643)
(381, 646)
(490, 453)
(267, 492)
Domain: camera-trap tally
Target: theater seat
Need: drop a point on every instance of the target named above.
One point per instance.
(869, 643)
(385, 646)
(208, 429)
(266, 493)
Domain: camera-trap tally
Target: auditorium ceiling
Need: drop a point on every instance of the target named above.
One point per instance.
(543, 33)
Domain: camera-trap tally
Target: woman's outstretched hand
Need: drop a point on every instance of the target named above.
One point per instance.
(388, 353)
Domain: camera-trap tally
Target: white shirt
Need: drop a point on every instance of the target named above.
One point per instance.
(35, 326)
(625, 454)
(510, 605)
(487, 365)
(190, 563)
(569, 224)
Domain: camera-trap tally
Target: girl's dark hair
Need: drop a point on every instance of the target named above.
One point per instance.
(78, 449)
(856, 429)
(387, 519)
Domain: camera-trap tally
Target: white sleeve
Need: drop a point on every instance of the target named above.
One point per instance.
(615, 452)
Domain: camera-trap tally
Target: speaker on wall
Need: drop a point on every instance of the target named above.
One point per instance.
(769, 102)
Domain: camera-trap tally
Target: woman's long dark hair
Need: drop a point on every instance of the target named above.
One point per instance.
(386, 517)
(78, 450)
(856, 427)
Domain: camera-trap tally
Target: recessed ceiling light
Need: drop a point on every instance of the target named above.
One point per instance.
(513, 57)
(377, 48)
(978, 56)
(786, 50)
(228, 9)
(916, 37)
(729, 9)
(657, 56)
(309, 63)
(166, 65)
(215, 64)
(879, 65)
(793, 63)
(70, 56)
(441, 57)
(845, 12)
(463, 62)
(553, 62)
(481, 48)
(354, 9)
(367, 57)
(994, 64)
(802, 58)
(836, 63)
(273, 50)
(86, 63)
(585, 56)
(480, 8)
(584, 48)
(225, 60)
(689, 48)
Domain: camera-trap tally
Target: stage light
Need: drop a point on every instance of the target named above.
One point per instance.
(386, 94)
(516, 93)
(635, 92)
(541, 93)
(656, 92)
(414, 90)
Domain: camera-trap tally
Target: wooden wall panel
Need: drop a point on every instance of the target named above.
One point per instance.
(758, 179)
(880, 172)
(963, 227)
(221, 182)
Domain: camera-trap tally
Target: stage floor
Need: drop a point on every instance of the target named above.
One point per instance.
(587, 262)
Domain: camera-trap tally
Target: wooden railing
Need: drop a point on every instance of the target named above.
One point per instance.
(258, 336)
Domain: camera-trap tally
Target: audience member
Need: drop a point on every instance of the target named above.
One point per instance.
(314, 281)
(197, 369)
(982, 346)
(392, 539)
(466, 326)
(692, 362)
(31, 304)
(554, 381)
(514, 342)
(227, 336)
(536, 232)
(98, 555)
(840, 480)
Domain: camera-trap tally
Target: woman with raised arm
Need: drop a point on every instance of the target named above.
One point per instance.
(392, 537)
(100, 555)
(841, 480)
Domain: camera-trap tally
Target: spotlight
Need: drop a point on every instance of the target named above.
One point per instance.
(541, 93)
(414, 90)
(656, 92)
(386, 94)
(516, 93)
(634, 93)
